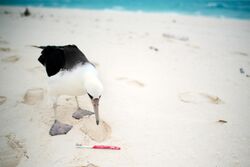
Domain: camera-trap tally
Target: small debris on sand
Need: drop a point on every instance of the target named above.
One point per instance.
(222, 121)
(242, 71)
(5, 49)
(6, 12)
(241, 53)
(137, 83)
(2, 99)
(196, 98)
(154, 48)
(26, 13)
(180, 38)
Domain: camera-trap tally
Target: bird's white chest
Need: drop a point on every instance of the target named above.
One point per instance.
(67, 83)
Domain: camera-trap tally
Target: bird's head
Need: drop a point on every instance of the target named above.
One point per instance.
(94, 90)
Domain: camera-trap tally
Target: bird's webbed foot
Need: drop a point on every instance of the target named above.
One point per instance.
(80, 113)
(59, 128)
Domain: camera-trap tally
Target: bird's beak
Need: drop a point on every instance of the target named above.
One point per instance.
(95, 103)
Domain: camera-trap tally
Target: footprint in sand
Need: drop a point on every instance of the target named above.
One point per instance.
(97, 133)
(131, 82)
(2, 99)
(33, 96)
(193, 97)
(10, 59)
(11, 151)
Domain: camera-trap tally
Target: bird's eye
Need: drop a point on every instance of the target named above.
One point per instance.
(100, 97)
(91, 97)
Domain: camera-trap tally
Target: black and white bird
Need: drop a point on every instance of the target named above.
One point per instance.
(71, 73)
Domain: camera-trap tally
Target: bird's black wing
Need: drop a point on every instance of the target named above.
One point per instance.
(53, 59)
(73, 56)
(56, 58)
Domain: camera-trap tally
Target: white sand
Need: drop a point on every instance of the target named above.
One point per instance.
(163, 106)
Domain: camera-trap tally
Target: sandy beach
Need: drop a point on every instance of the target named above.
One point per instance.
(176, 89)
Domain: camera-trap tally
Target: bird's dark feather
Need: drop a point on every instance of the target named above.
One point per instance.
(56, 58)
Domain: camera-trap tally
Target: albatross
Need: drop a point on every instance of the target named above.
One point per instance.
(70, 73)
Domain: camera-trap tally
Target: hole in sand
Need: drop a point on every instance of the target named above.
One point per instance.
(193, 97)
(33, 96)
(11, 59)
(97, 133)
(2, 99)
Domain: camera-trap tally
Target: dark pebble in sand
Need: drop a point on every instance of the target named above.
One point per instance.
(26, 13)
(59, 128)
(81, 113)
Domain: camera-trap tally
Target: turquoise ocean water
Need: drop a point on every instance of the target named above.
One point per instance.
(218, 8)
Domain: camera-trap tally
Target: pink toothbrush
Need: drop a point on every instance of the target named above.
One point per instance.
(99, 147)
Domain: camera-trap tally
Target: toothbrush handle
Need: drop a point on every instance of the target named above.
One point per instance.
(106, 147)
